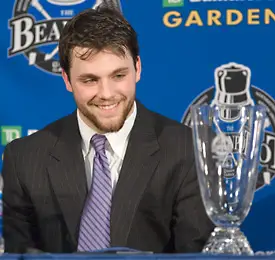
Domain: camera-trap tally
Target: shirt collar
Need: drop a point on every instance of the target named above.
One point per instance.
(86, 133)
(116, 139)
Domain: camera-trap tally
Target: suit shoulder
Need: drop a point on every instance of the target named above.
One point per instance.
(174, 137)
(172, 126)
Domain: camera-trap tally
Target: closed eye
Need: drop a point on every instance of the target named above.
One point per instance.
(88, 81)
(119, 76)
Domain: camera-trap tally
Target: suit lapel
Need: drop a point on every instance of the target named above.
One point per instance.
(67, 174)
(140, 162)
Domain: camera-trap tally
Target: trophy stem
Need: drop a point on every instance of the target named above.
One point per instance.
(227, 241)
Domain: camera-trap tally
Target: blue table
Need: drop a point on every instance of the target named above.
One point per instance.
(125, 256)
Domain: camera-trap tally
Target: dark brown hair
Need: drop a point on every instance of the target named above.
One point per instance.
(97, 30)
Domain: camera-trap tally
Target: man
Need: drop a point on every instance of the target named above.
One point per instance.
(111, 174)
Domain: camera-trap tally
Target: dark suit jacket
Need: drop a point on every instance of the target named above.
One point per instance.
(156, 205)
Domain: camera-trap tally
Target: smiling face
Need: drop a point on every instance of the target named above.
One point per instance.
(104, 87)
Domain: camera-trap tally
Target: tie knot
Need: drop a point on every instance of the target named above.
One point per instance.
(98, 142)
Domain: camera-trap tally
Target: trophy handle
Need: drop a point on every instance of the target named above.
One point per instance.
(219, 74)
(245, 72)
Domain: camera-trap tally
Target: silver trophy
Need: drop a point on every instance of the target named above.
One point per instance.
(227, 151)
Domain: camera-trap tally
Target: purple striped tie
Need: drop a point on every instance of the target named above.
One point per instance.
(94, 233)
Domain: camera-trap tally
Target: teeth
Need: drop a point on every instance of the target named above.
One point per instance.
(108, 107)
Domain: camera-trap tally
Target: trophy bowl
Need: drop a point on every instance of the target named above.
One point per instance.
(227, 153)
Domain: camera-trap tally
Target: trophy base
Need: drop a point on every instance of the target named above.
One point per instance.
(227, 241)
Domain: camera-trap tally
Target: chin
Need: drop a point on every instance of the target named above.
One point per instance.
(110, 127)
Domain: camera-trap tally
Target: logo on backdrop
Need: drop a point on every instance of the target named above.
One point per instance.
(233, 87)
(10, 133)
(36, 26)
(193, 16)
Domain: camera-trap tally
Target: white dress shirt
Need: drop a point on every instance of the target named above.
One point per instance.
(116, 145)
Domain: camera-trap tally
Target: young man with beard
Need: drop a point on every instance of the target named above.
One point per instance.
(110, 174)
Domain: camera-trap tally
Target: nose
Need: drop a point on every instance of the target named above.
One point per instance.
(105, 90)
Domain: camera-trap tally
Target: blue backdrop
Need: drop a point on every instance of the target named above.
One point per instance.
(186, 45)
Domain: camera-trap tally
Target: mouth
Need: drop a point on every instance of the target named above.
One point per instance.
(108, 107)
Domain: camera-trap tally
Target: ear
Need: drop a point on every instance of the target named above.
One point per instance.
(67, 81)
(138, 69)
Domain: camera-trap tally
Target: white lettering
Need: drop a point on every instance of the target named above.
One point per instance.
(269, 152)
(40, 33)
(22, 38)
(11, 134)
(54, 33)
(31, 131)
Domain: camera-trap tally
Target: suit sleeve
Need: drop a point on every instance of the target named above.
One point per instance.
(18, 214)
(192, 227)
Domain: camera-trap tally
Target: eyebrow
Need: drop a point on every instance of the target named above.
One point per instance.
(91, 75)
